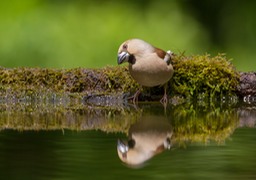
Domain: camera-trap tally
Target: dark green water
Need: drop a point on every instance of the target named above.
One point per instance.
(201, 150)
(92, 154)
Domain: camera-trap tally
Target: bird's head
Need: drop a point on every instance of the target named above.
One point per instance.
(131, 49)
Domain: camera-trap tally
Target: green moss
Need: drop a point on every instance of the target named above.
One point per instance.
(110, 79)
(203, 74)
(195, 76)
(118, 78)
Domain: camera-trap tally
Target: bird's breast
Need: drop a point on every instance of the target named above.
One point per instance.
(151, 72)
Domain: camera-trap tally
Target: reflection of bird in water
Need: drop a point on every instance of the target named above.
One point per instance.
(148, 137)
(148, 65)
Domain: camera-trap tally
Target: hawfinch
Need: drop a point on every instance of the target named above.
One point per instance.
(147, 138)
(148, 65)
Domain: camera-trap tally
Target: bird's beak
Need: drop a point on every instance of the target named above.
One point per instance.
(123, 57)
(122, 147)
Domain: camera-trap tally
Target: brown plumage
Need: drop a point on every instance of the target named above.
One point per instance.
(148, 65)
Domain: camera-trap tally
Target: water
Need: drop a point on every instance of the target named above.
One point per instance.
(81, 142)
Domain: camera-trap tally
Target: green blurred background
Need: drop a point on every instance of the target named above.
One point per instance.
(87, 33)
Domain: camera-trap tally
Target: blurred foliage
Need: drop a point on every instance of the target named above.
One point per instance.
(68, 34)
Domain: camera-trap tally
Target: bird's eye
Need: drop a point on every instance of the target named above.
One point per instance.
(125, 46)
(131, 143)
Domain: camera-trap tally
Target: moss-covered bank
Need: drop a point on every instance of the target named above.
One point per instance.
(201, 76)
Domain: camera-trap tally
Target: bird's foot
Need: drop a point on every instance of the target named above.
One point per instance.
(164, 100)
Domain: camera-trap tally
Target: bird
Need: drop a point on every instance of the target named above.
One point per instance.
(149, 66)
(149, 136)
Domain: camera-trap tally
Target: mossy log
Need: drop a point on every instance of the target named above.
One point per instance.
(199, 76)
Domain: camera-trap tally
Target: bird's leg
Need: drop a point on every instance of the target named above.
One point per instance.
(135, 96)
(164, 99)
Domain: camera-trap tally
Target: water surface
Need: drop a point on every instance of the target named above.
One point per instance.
(53, 142)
